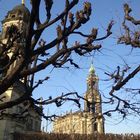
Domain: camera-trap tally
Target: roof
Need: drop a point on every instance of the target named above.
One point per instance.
(72, 114)
(19, 12)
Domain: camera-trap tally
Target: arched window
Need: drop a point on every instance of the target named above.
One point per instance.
(95, 126)
(10, 31)
(4, 60)
(1, 74)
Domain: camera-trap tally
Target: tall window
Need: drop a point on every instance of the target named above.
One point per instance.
(1, 73)
(36, 126)
(95, 126)
(19, 109)
(30, 124)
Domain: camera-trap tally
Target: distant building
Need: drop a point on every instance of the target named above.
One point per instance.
(88, 121)
(17, 19)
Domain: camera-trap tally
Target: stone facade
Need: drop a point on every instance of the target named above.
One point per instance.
(9, 123)
(88, 121)
(17, 19)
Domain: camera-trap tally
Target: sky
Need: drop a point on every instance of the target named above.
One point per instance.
(110, 56)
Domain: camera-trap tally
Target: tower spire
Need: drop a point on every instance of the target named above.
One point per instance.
(23, 2)
(92, 60)
(91, 69)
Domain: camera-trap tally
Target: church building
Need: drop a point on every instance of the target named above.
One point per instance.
(16, 19)
(88, 121)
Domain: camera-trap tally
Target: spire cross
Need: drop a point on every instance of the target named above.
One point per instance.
(23, 2)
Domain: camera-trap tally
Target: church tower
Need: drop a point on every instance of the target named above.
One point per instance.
(16, 21)
(14, 29)
(16, 24)
(92, 103)
(88, 121)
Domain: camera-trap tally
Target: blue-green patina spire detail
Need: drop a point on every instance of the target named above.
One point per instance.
(91, 69)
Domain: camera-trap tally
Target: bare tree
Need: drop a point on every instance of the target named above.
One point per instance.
(129, 104)
(37, 54)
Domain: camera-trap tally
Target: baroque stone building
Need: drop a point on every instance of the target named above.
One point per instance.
(17, 19)
(88, 121)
